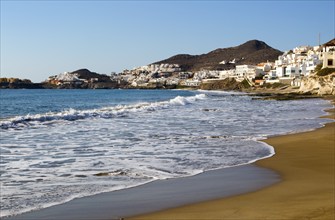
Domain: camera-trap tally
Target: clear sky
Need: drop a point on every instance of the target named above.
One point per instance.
(44, 38)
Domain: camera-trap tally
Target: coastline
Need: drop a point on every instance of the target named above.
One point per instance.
(159, 195)
(101, 206)
(305, 162)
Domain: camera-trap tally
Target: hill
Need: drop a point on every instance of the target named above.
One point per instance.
(16, 83)
(86, 74)
(252, 52)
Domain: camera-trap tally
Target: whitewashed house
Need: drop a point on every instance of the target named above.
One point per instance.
(292, 71)
(328, 54)
(301, 49)
(184, 75)
(272, 74)
(244, 70)
(313, 59)
(200, 75)
(227, 74)
(248, 71)
(300, 61)
(192, 83)
(172, 81)
(280, 71)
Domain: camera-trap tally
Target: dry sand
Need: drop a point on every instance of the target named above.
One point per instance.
(306, 163)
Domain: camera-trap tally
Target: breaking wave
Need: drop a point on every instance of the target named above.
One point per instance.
(106, 112)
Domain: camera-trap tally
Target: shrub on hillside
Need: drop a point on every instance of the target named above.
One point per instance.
(245, 84)
(318, 68)
(325, 71)
(273, 85)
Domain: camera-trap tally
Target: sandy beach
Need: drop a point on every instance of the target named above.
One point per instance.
(296, 183)
(305, 162)
(159, 195)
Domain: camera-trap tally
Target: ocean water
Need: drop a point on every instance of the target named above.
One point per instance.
(57, 145)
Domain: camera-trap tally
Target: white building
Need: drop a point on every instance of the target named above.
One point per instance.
(328, 54)
(272, 74)
(190, 82)
(281, 71)
(227, 74)
(200, 75)
(292, 71)
(158, 68)
(172, 81)
(302, 49)
(300, 61)
(249, 71)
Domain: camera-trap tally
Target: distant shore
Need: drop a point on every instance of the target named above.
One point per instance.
(286, 93)
(306, 163)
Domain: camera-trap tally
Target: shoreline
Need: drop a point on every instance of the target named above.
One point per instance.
(306, 191)
(159, 195)
(92, 203)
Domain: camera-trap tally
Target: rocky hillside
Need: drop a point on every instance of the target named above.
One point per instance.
(228, 84)
(251, 52)
(15, 83)
(82, 79)
(319, 85)
(86, 74)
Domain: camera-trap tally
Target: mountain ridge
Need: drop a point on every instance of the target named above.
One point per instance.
(251, 52)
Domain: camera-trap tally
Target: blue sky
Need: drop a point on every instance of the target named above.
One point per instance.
(43, 38)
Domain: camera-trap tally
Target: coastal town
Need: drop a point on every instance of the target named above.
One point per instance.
(289, 69)
(292, 68)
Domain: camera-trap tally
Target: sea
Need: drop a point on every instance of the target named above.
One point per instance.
(58, 145)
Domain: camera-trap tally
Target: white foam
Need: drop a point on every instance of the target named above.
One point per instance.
(107, 112)
(157, 140)
(222, 92)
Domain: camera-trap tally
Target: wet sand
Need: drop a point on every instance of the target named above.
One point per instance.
(161, 194)
(305, 162)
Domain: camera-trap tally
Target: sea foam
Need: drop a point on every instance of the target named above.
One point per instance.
(106, 112)
(49, 158)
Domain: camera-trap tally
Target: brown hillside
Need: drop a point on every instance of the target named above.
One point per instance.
(86, 74)
(251, 52)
